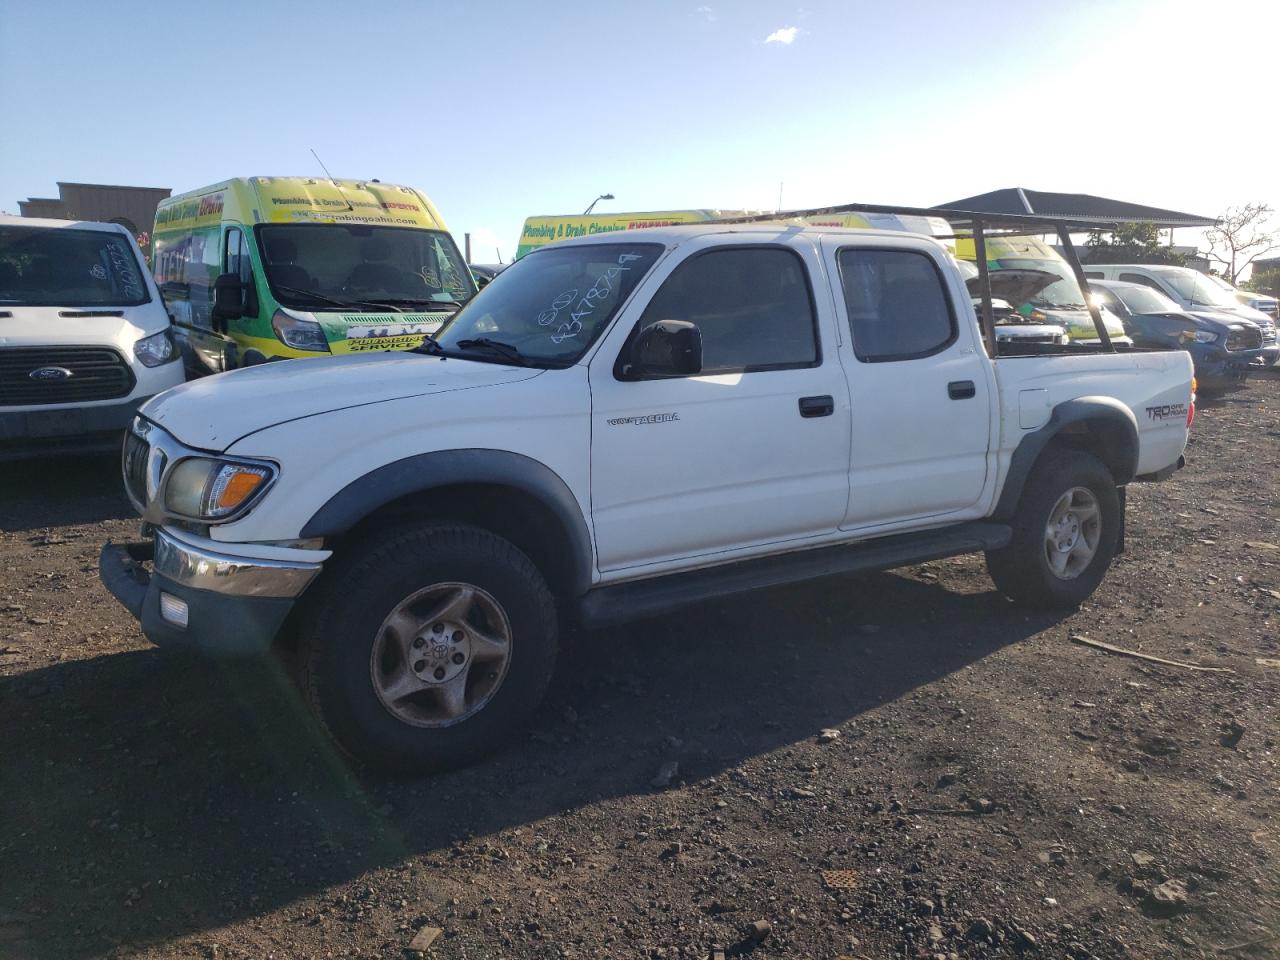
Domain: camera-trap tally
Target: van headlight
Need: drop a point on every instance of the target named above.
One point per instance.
(299, 334)
(156, 349)
(208, 489)
(1204, 336)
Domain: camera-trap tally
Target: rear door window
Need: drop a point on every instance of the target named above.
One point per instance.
(897, 304)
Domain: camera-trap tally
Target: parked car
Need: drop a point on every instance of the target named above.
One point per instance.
(623, 426)
(1189, 289)
(1010, 288)
(84, 337)
(1223, 347)
(1058, 302)
(1261, 302)
(485, 272)
(272, 268)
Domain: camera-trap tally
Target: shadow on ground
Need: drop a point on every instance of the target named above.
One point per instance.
(145, 796)
(61, 492)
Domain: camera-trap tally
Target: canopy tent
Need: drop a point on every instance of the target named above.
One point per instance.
(1098, 212)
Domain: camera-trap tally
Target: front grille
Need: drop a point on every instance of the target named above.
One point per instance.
(1250, 339)
(96, 373)
(136, 450)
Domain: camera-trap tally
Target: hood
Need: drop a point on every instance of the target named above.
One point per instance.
(1079, 323)
(60, 326)
(1016, 286)
(214, 412)
(1210, 320)
(1239, 312)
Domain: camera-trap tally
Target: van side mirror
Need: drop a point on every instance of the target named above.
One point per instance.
(668, 348)
(228, 297)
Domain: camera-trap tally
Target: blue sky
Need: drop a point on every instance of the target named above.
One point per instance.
(506, 109)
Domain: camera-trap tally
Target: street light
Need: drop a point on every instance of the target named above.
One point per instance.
(603, 196)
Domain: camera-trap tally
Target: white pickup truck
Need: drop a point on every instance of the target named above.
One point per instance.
(613, 428)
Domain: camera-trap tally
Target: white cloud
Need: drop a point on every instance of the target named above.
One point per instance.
(784, 35)
(708, 13)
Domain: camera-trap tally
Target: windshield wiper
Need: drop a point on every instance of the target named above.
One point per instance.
(430, 346)
(422, 301)
(495, 346)
(325, 298)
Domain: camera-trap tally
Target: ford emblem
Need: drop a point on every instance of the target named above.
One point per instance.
(50, 373)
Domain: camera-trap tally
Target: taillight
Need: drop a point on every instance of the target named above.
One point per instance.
(1191, 407)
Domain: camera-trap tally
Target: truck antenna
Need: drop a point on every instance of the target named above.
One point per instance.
(331, 180)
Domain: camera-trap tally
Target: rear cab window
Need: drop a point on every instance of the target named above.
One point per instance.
(65, 267)
(897, 304)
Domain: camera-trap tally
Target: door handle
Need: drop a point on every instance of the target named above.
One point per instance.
(817, 406)
(961, 390)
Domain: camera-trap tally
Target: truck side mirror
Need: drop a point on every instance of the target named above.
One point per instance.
(668, 348)
(228, 297)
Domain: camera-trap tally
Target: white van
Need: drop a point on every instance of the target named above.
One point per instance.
(1190, 289)
(84, 336)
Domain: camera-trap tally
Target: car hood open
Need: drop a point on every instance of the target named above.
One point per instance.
(214, 412)
(1016, 286)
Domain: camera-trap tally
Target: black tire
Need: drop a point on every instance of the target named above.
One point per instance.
(357, 595)
(1021, 571)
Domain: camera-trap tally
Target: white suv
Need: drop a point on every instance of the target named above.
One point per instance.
(84, 336)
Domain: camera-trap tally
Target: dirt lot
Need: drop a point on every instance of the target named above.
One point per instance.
(994, 788)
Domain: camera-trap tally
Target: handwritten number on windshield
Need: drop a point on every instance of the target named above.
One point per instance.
(599, 292)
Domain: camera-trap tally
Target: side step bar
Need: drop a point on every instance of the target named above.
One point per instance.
(635, 599)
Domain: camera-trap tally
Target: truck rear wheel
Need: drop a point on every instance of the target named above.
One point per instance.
(1064, 534)
(429, 647)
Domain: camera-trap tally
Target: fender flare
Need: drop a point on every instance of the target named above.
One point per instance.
(427, 471)
(1106, 409)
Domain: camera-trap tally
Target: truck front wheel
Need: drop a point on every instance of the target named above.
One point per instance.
(429, 647)
(1064, 534)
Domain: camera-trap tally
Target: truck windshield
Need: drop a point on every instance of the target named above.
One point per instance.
(1196, 289)
(1145, 300)
(46, 266)
(1063, 293)
(551, 304)
(314, 265)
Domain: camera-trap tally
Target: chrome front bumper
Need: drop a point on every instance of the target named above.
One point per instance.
(200, 568)
(199, 598)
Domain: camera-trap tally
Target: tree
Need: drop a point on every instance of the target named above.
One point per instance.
(1240, 237)
(1130, 243)
(1264, 281)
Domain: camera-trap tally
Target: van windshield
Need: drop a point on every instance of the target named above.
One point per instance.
(550, 305)
(318, 265)
(55, 266)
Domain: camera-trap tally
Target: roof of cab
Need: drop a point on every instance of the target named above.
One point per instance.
(15, 221)
(673, 235)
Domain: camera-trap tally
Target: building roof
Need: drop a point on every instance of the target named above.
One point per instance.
(1074, 206)
(111, 186)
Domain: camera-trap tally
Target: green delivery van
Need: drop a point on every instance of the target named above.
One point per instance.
(267, 268)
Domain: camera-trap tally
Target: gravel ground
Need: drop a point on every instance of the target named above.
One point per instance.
(987, 787)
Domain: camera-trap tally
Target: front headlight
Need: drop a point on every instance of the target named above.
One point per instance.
(1205, 336)
(202, 488)
(156, 349)
(299, 334)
